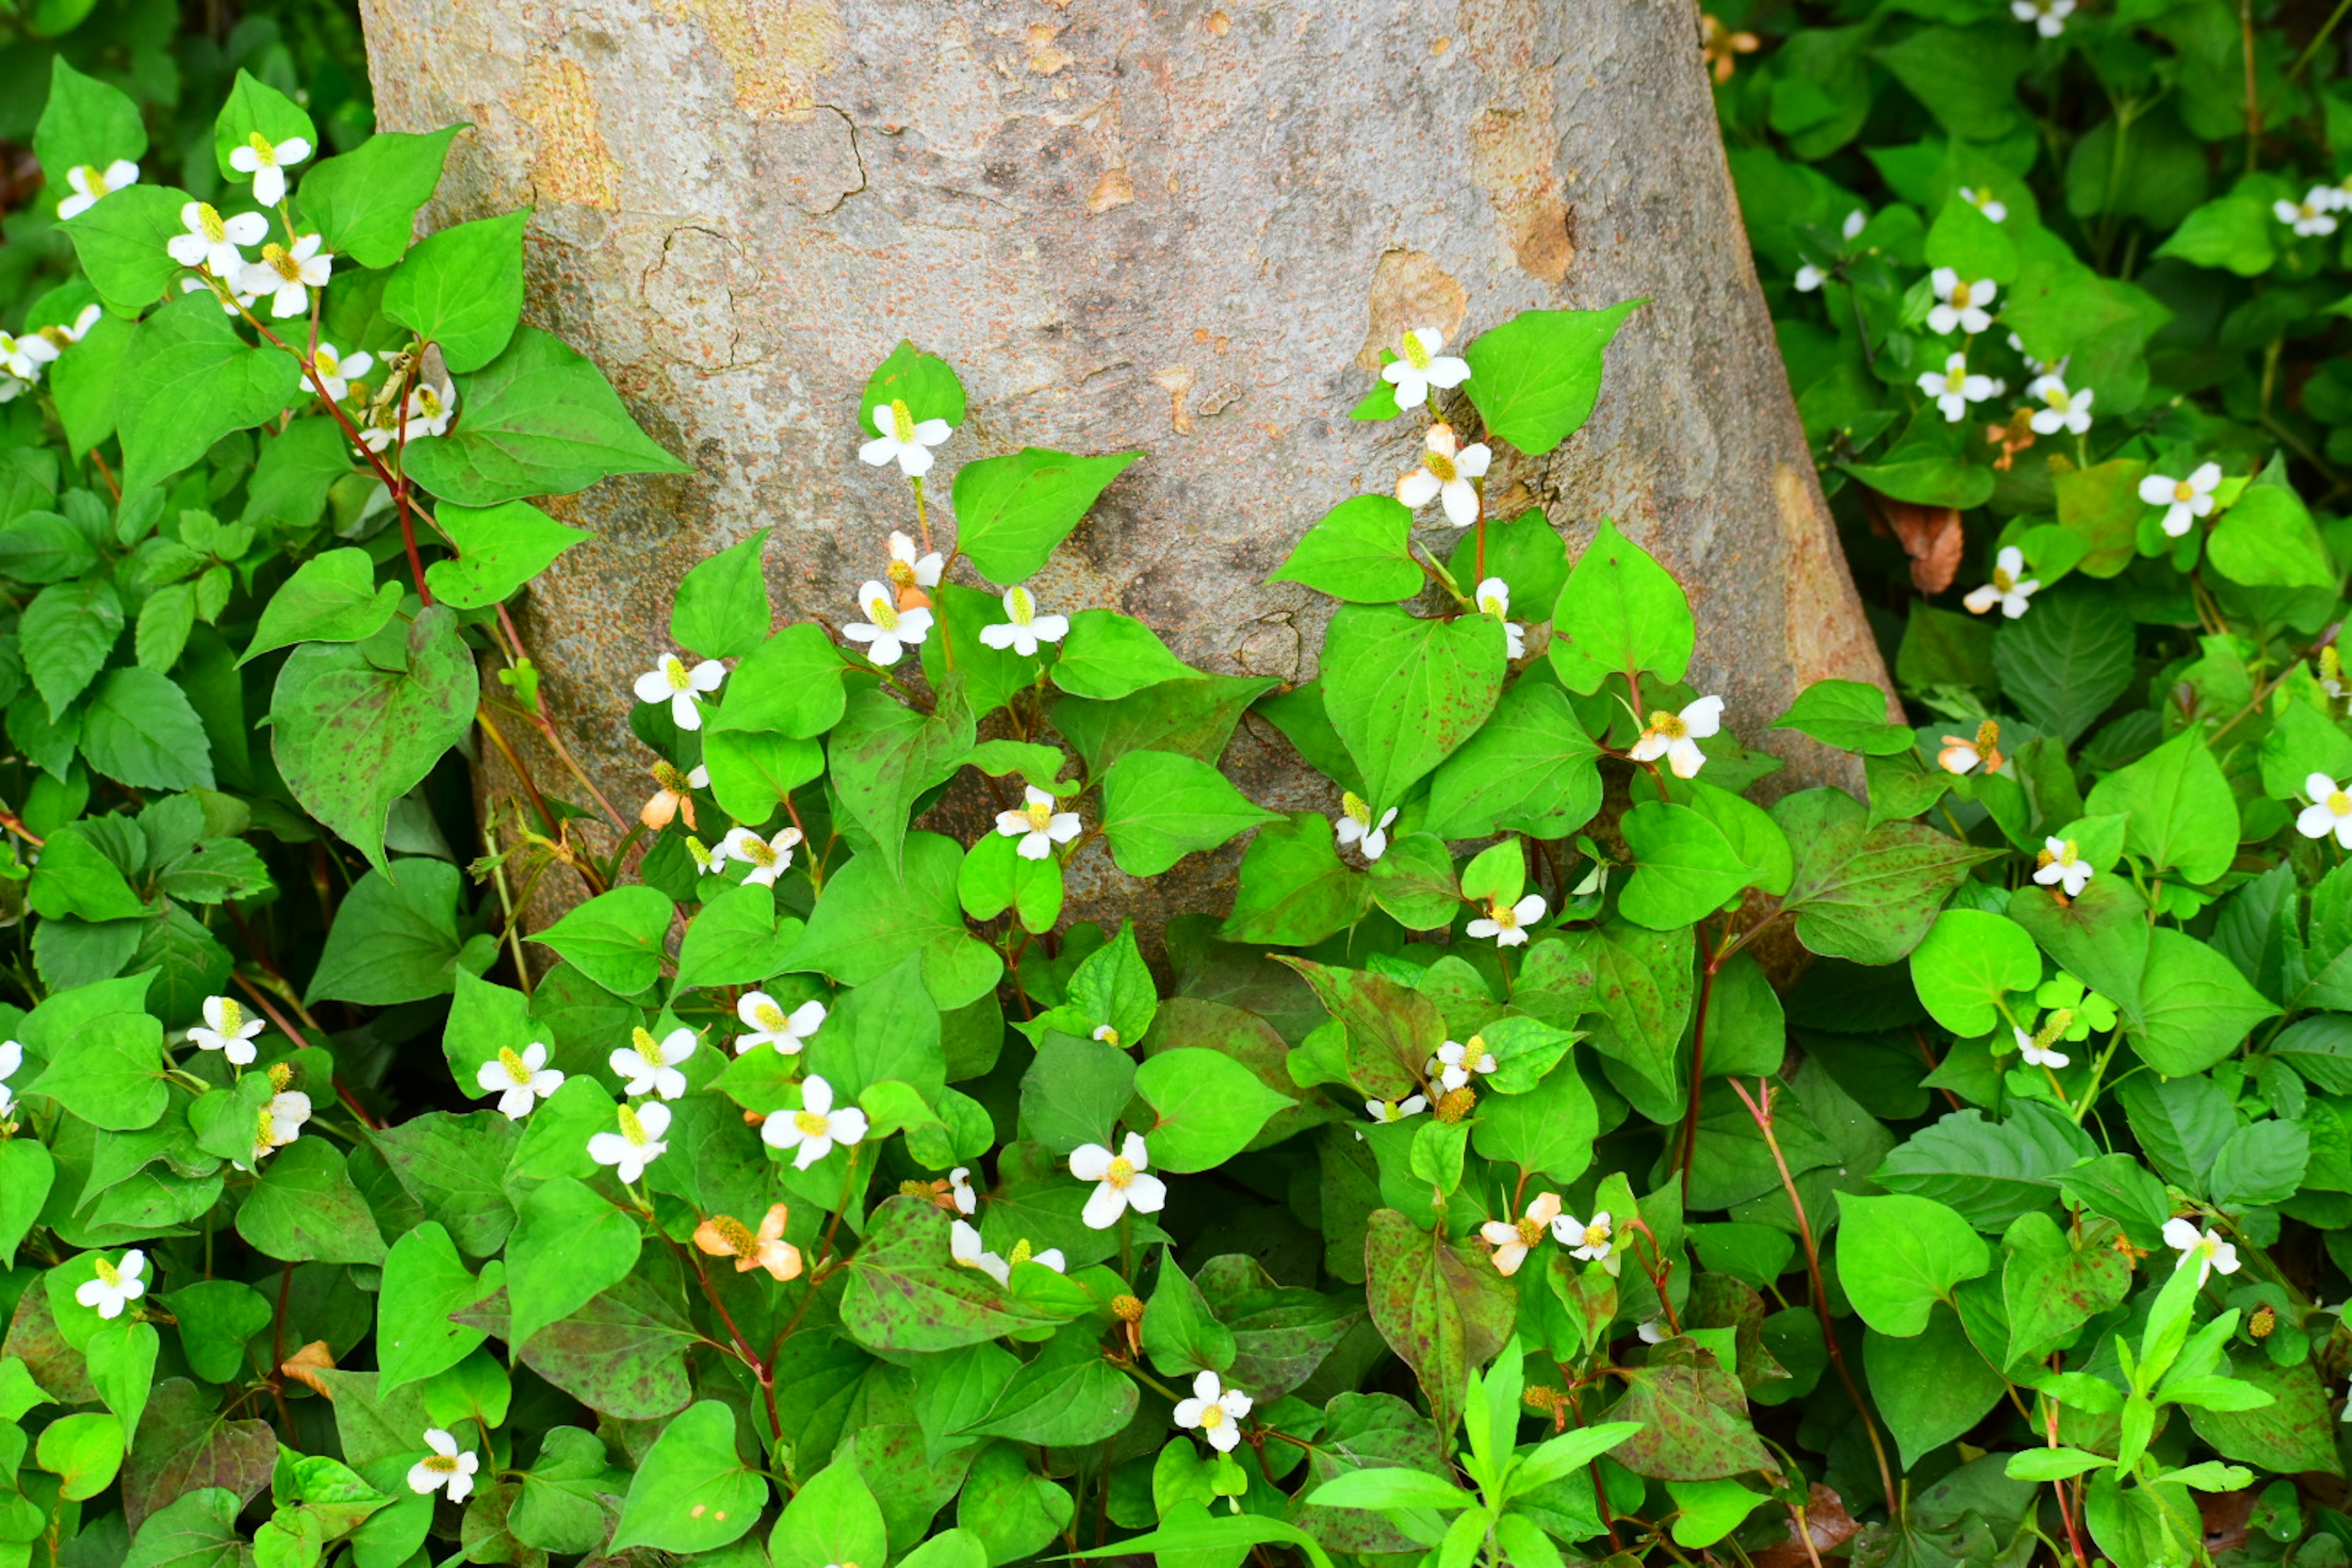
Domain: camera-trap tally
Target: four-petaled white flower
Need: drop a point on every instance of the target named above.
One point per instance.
(673, 796)
(337, 370)
(650, 1067)
(228, 1028)
(1419, 366)
(724, 1235)
(2330, 811)
(1024, 629)
(1120, 1182)
(768, 858)
(520, 1078)
(1513, 1239)
(24, 357)
(1508, 924)
(908, 570)
(1037, 824)
(279, 1122)
(91, 184)
(1455, 1062)
(1493, 597)
(12, 1057)
(289, 274)
(2060, 409)
(1962, 755)
(1216, 1410)
(2312, 215)
(1953, 387)
(897, 434)
(967, 1201)
(2204, 1247)
(2183, 500)
(1960, 304)
(267, 162)
(671, 682)
(891, 629)
(1810, 277)
(1356, 825)
(2010, 588)
(447, 1466)
(430, 410)
(1676, 736)
(638, 1144)
(769, 1025)
(815, 1127)
(215, 243)
(1985, 203)
(2038, 1055)
(1388, 1111)
(2048, 16)
(1589, 1242)
(1447, 472)
(966, 1247)
(2061, 864)
(117, 1285)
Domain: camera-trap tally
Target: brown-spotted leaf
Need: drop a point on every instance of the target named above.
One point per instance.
(1440, 1305)
(183, 1445)
(1695, 1425)
(1392, 1029)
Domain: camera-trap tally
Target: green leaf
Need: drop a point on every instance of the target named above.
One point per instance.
(886, 1030)
(1179, 1333)
(2050, 1289)
(188, 380)
(462, 289)
(1107, 655)
(1548, 1131)
(350, 737)
(1413, 883)
(1403, 694)
(1074, 1092)
(536, 420)
(332, 597)
(1526, 552)
(924, 383)
(43, 547)
(2183, 817)
(2268, 540)
(1693, 1416)
(1536, 377)
(884, 754)
(1530, 769)
(27, 1171)
(500, 549)
(164, 622)
(253, 108)
(85, 122)
(721, 610)
(615, 938)
(1294, 888)
(1361, 552)
(299, 464)
(305, 1208)
(1964, 240)
(2291, 1435)
(1865, 893)
(111, 1074)
(791, 684)
(2067, 658)
(394, 938)
(65, 633)
(1685, 869)
(1848, 714)
(1968, 964)
(1158, 807)
(573, 1244)
(139, 729)
(1440, 1305)
(2233, 233)
(121, 245)
(906, 1293)
(1012, 511)
(84, 1452)
(753, 772)
(364, 204)
(1899, 1255)
(196, 1530)
(1990, 1172)
(1390, 1489)
(1931, 1387)
(736, 940)
(693, 1491)
(868, 921)
(1066, 1396)
(2194, 1007)
(1621, 613)
(1210, 1108)
(424, 1282)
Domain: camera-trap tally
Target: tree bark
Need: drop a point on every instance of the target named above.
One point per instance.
(1184, 227)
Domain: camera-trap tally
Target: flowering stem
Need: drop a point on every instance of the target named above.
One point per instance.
(759, 1369)
(342, 1090)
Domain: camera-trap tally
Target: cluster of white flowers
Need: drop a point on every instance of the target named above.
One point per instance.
(1508, 924)
(1959, 304)
(445, 1468)
(2316, 214)
(1514, 1239)
(425, 412)
(2062, 409)
(1448, 473)
(638, 1143)
(229, 1029)
(1216, 1411)
(1455, 1063)
(769, 858)
(92, 184)
(2203, 1248)
(279, 1122)
(25, 357)
(887, 630)
(1809, 277)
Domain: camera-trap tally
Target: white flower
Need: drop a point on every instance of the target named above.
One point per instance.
(965, 1247)
(2183, 500)
(650, 1067)
(91, 183)
(12, 1057)
(2309, 216)
(2048, 16)
(1453, 1064)
(2206, 1247)
(287, 275)
(2062, 864)
(1388, 1111)
(1513, 1239)
(24, 357)
(237, 301)
(2035, 365)
(1356, 825)
(2060, 409)
(1037, 824)
(682, 687)
(1855, 222)
(1810, 277)
(215, 243)
(1119, 1182)
(1419, 366)
(73, 331)
(116, 1286)
(519, 1081)
(280, 1122)
(1676, 736)
(1447, 472)
(1493, 597)
(1953, 388)
(444, 1467)
(768, 858)
(230, 1028)
(1983, 201)
(1959, 755)
(897, 434)
(2010, 588)
(967, 1201)
(709, 862)
(1026, 628)
(1107, 1034)
(815, 1127)
(769, 1025)
(638, 1144)
(1508, 924)
(908, 570)
(268, 165)
(2330, 811)
(337, 370)
(1960, 304)
(1653, 1331)
(891, 629)
(1586, 1241)
(430, 410)
(2037, 1056)
(11, 388)
(1216, 1410)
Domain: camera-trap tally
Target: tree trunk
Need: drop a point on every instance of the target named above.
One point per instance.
(1169, 226)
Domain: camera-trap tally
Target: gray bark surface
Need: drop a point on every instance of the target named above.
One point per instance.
(1182, 226)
